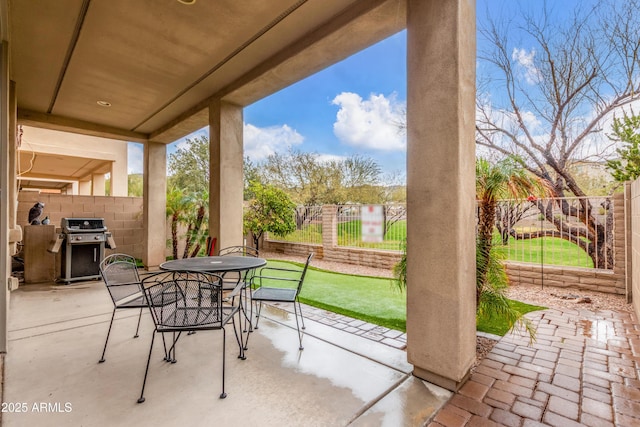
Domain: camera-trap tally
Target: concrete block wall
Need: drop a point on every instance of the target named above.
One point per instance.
(122, 215)
(292, 248)
(566, 277)
(622, 238)
(635, 244)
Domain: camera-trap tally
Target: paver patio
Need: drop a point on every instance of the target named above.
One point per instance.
(583, 370)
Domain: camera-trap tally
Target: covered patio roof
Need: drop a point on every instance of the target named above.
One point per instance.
(158, 65)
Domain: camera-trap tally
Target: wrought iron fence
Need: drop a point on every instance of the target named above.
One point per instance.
(308, 226)
(571, 231)
(394, 227)
(574, 231)
(349, 227)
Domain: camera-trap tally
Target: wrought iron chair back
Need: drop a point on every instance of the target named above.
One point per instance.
(120, 275)
(274, 284)
(232, 279)
(187, 301)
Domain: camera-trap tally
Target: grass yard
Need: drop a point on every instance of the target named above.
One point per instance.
(371, 299)
(551, 250)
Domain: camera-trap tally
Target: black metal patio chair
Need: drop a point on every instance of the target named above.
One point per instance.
(232, 279)
(274, 284)
(120, 275)
(183, 301)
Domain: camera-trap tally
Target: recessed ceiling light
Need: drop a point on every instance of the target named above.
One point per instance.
(187, 2)
(104, 104)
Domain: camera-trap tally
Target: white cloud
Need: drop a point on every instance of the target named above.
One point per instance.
(330, 158)
(135, 157)
(531, 120)
(262, 142)
(527, 66)
(370, 124)
(182, 143)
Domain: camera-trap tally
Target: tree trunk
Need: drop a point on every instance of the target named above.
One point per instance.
(188, 240)
(486, 220)
(174, 235)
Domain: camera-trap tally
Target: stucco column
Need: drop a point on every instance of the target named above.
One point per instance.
(440, 190)
(226, 182)
(119, 177)
(15, 234)
(154, 203)
(5, 184)
(98, 182)
(84, 188)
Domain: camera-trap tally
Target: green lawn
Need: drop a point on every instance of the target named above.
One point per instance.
(551, 250)
(350, 234)
(371, 299)
(310, 233)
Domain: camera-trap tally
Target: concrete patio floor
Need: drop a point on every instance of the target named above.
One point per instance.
(56, 334)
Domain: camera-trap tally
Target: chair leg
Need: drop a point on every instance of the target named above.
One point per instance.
(295, 310)
(108, 333)
(224, 340)
(258, 310)
(138, 327)
(247, 314)
(144, 382)
(166, 352)
(301, 316)
(170, 355)
(239, 336)
(247, 300)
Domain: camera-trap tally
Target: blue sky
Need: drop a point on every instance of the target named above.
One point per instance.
(350, 108)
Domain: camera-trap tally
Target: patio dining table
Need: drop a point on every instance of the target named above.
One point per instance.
(215, 264)
(221, 265)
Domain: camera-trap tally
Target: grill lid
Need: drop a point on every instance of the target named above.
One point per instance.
(82, 225)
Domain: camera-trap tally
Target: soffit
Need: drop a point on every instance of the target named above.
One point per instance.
(59, 167)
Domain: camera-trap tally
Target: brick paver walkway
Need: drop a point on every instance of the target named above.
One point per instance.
(583, 370)
(391, 337)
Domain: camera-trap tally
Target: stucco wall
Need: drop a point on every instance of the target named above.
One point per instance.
(122, 215)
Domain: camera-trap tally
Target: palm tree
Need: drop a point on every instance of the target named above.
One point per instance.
(195, 235)
(177, 206)
(506, 179)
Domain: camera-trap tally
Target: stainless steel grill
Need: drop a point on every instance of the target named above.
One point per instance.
(83, 249)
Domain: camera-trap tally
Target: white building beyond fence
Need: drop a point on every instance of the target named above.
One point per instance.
(332, 232)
